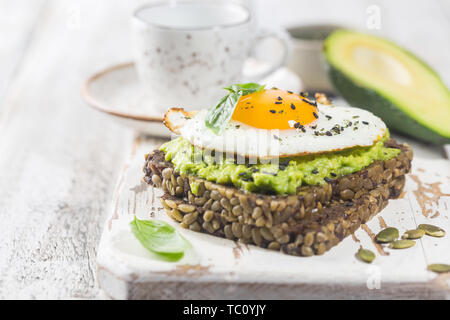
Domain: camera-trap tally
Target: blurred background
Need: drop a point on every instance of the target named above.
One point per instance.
(60, 159)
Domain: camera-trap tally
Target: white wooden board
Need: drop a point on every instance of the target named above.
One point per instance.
(219, 268)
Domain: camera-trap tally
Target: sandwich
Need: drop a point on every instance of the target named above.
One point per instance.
(277, 169)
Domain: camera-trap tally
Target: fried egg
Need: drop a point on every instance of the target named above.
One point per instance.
(277, 123)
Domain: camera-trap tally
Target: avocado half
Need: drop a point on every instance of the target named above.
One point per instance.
(375, 74)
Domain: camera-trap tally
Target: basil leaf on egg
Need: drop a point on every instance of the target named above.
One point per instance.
(219, 116)
(246, 88)
(160, 238)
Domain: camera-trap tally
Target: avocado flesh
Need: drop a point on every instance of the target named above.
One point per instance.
(375, 74)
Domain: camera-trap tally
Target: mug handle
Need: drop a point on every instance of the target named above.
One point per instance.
(280, 35)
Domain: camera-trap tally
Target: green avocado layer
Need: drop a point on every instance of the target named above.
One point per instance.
(282, 178)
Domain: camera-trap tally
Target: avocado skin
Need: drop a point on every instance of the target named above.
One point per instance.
(365, 98)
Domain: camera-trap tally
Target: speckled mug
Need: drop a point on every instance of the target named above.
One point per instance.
(186, 53)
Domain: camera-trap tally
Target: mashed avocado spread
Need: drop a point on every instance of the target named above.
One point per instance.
(283, 178)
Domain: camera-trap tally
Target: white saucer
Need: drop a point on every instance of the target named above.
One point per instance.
(116, 92)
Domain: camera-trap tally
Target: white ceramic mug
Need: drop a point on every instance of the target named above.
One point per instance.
(186, 53)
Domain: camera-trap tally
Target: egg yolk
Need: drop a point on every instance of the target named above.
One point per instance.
(275, 109)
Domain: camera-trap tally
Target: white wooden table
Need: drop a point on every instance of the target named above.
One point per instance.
(59, 160)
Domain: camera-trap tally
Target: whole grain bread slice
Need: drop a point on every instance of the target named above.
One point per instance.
(307, 223)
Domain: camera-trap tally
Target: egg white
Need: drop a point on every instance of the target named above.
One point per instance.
(360, 128)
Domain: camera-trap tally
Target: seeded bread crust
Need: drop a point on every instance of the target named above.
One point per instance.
(308, 223)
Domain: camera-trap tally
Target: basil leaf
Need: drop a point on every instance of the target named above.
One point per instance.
(218, 117)
(246, 88)
(160, 238)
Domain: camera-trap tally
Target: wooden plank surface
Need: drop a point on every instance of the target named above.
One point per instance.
(60, 160)
(17, 21)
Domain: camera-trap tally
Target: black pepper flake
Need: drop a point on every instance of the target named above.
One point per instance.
(315, 171)
(281, 111)
(245, 176)
(327, 179)
(255, 170)
(315, 115)
(290, 92)
(334, 175)
(328, 117)
(279, 98)
(278, 102)
(349, 204)
(328, 133)
(316, 133)
(285, 162)
(304, 94)
(273, 111)
(310, 102)
(276, 137)
(292, 106)
(297, 125)
(282, 167)
(314, 127)
(365, 122)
